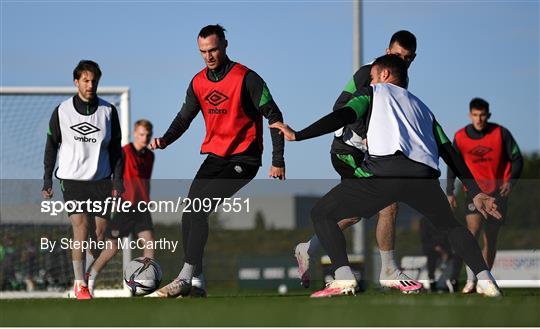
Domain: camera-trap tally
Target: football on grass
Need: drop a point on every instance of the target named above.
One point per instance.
(143, 276)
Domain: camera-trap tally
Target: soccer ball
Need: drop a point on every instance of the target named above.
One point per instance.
(142, 275)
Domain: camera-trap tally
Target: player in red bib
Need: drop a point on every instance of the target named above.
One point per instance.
(495, 161)
(233, 100)
(138, 165)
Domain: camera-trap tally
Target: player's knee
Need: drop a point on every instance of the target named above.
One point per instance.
(79, 225)
(100, 234)
(389, 213)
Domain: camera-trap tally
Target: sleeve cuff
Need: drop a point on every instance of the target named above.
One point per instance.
(118, 185)
(473, 188)
(278, 163)
(299, 136)
(47, 184)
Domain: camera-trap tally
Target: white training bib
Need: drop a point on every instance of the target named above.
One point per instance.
(401, 122)
(84, 153)
(351, 138)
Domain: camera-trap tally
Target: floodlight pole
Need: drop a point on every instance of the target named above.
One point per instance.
(357, 35)
(359, 244)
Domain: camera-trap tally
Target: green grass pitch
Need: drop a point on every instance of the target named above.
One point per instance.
(519, 307)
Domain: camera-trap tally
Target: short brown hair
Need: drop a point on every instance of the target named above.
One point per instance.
(86, 65)
(145, 123)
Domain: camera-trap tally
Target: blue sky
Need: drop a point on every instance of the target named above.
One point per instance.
(301, 49)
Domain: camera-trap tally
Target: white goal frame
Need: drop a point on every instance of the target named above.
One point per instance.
(124, 108)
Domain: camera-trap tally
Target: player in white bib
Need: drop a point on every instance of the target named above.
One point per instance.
(347, 152)
(404, 145)
(84, 134)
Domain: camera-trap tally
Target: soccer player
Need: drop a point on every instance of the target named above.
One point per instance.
(84, 132)
(233, 99)
(138, 165)
(405, 142)
(495, 161)
(347, 152)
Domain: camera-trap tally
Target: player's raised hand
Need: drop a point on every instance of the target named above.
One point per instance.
(287, 132)
(452, 201)
(157, 143)
(486, 205)
(47, 194)
(504, 190)
(277, 172)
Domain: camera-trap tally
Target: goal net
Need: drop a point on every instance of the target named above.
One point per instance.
(27, 269)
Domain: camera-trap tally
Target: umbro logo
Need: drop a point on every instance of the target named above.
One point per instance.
(215, 98)
(480, 151)
(84, 128)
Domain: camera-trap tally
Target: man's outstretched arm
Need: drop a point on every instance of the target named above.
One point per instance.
(181, 122)
(356, 109)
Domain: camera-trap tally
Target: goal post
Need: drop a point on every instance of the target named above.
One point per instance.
(121, 92)
(27, 272)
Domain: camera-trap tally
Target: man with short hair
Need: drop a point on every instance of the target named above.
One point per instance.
(496, 163)
(405, 142)
(347, 152)
(136, 220)
(84, 132)
(233, 99)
